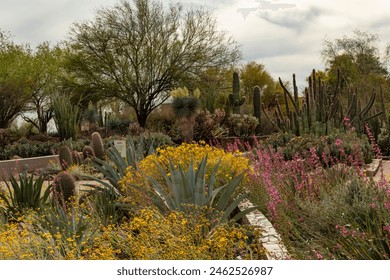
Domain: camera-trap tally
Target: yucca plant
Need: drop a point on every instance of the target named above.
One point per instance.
(191, 187)
(25, 193)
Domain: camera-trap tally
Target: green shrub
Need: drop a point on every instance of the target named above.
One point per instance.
(241, 125)
(345, 147)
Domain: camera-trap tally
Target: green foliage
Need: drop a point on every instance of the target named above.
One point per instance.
(104, 205)
(97, 145)
(192, 188)
(185, 107)
(66, 117)
(63, 188)
(26, 192)
(355, 226)
(29, 149)
(64, 224)
(118, 126)
(114, 170)
(14, 79)
(173, 52)
(359, 59)
(65, 157)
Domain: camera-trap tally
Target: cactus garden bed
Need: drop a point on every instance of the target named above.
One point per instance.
(188, 202)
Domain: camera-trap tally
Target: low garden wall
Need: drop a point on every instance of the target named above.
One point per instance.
(15, 166)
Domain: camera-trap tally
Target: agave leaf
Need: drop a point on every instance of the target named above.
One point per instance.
(213, 179)
(200, 183)
(187, 184)
(245, 212)
(232, 206)
(228, 191)
(160, 195)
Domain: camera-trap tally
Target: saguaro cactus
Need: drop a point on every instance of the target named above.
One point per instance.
(235, 100)
(257, 107)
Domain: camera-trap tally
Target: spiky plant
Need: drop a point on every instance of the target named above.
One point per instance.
(191, 188)
(88, 152)
(65, 157)
(63, 188)
(97, 145)
(26, 192)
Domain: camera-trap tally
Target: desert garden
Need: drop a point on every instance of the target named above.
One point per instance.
(163, 148)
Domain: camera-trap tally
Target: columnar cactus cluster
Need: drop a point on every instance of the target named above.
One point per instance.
(320, 110)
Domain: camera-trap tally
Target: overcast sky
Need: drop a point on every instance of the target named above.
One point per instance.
(285, 35)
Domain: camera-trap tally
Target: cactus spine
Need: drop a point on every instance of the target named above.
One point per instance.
(97, 145)
(63, 188)
(257, 107)
(234, 98)
(65, 157)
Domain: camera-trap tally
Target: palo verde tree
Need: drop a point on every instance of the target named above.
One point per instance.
(359, 59)
(44, 69)
(14, 79)
(138, 52)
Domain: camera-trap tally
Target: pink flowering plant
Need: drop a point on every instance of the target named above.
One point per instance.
(321, 202)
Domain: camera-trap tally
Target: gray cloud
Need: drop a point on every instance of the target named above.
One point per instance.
(295, 18)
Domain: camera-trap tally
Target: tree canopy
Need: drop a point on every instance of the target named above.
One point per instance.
(359, 59)
(138, 52)
(14, 79)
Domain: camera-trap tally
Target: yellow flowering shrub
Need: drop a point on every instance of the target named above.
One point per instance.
(231, 164)
(26, 239)
(177, 236)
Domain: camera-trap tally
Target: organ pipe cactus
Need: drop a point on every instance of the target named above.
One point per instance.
(319, 110)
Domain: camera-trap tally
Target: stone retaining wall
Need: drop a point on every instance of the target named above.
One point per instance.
(270, 239)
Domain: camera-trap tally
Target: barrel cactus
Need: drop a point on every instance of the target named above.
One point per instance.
(88, 152)
(65, 157)
(97, 145)
(63, 188)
